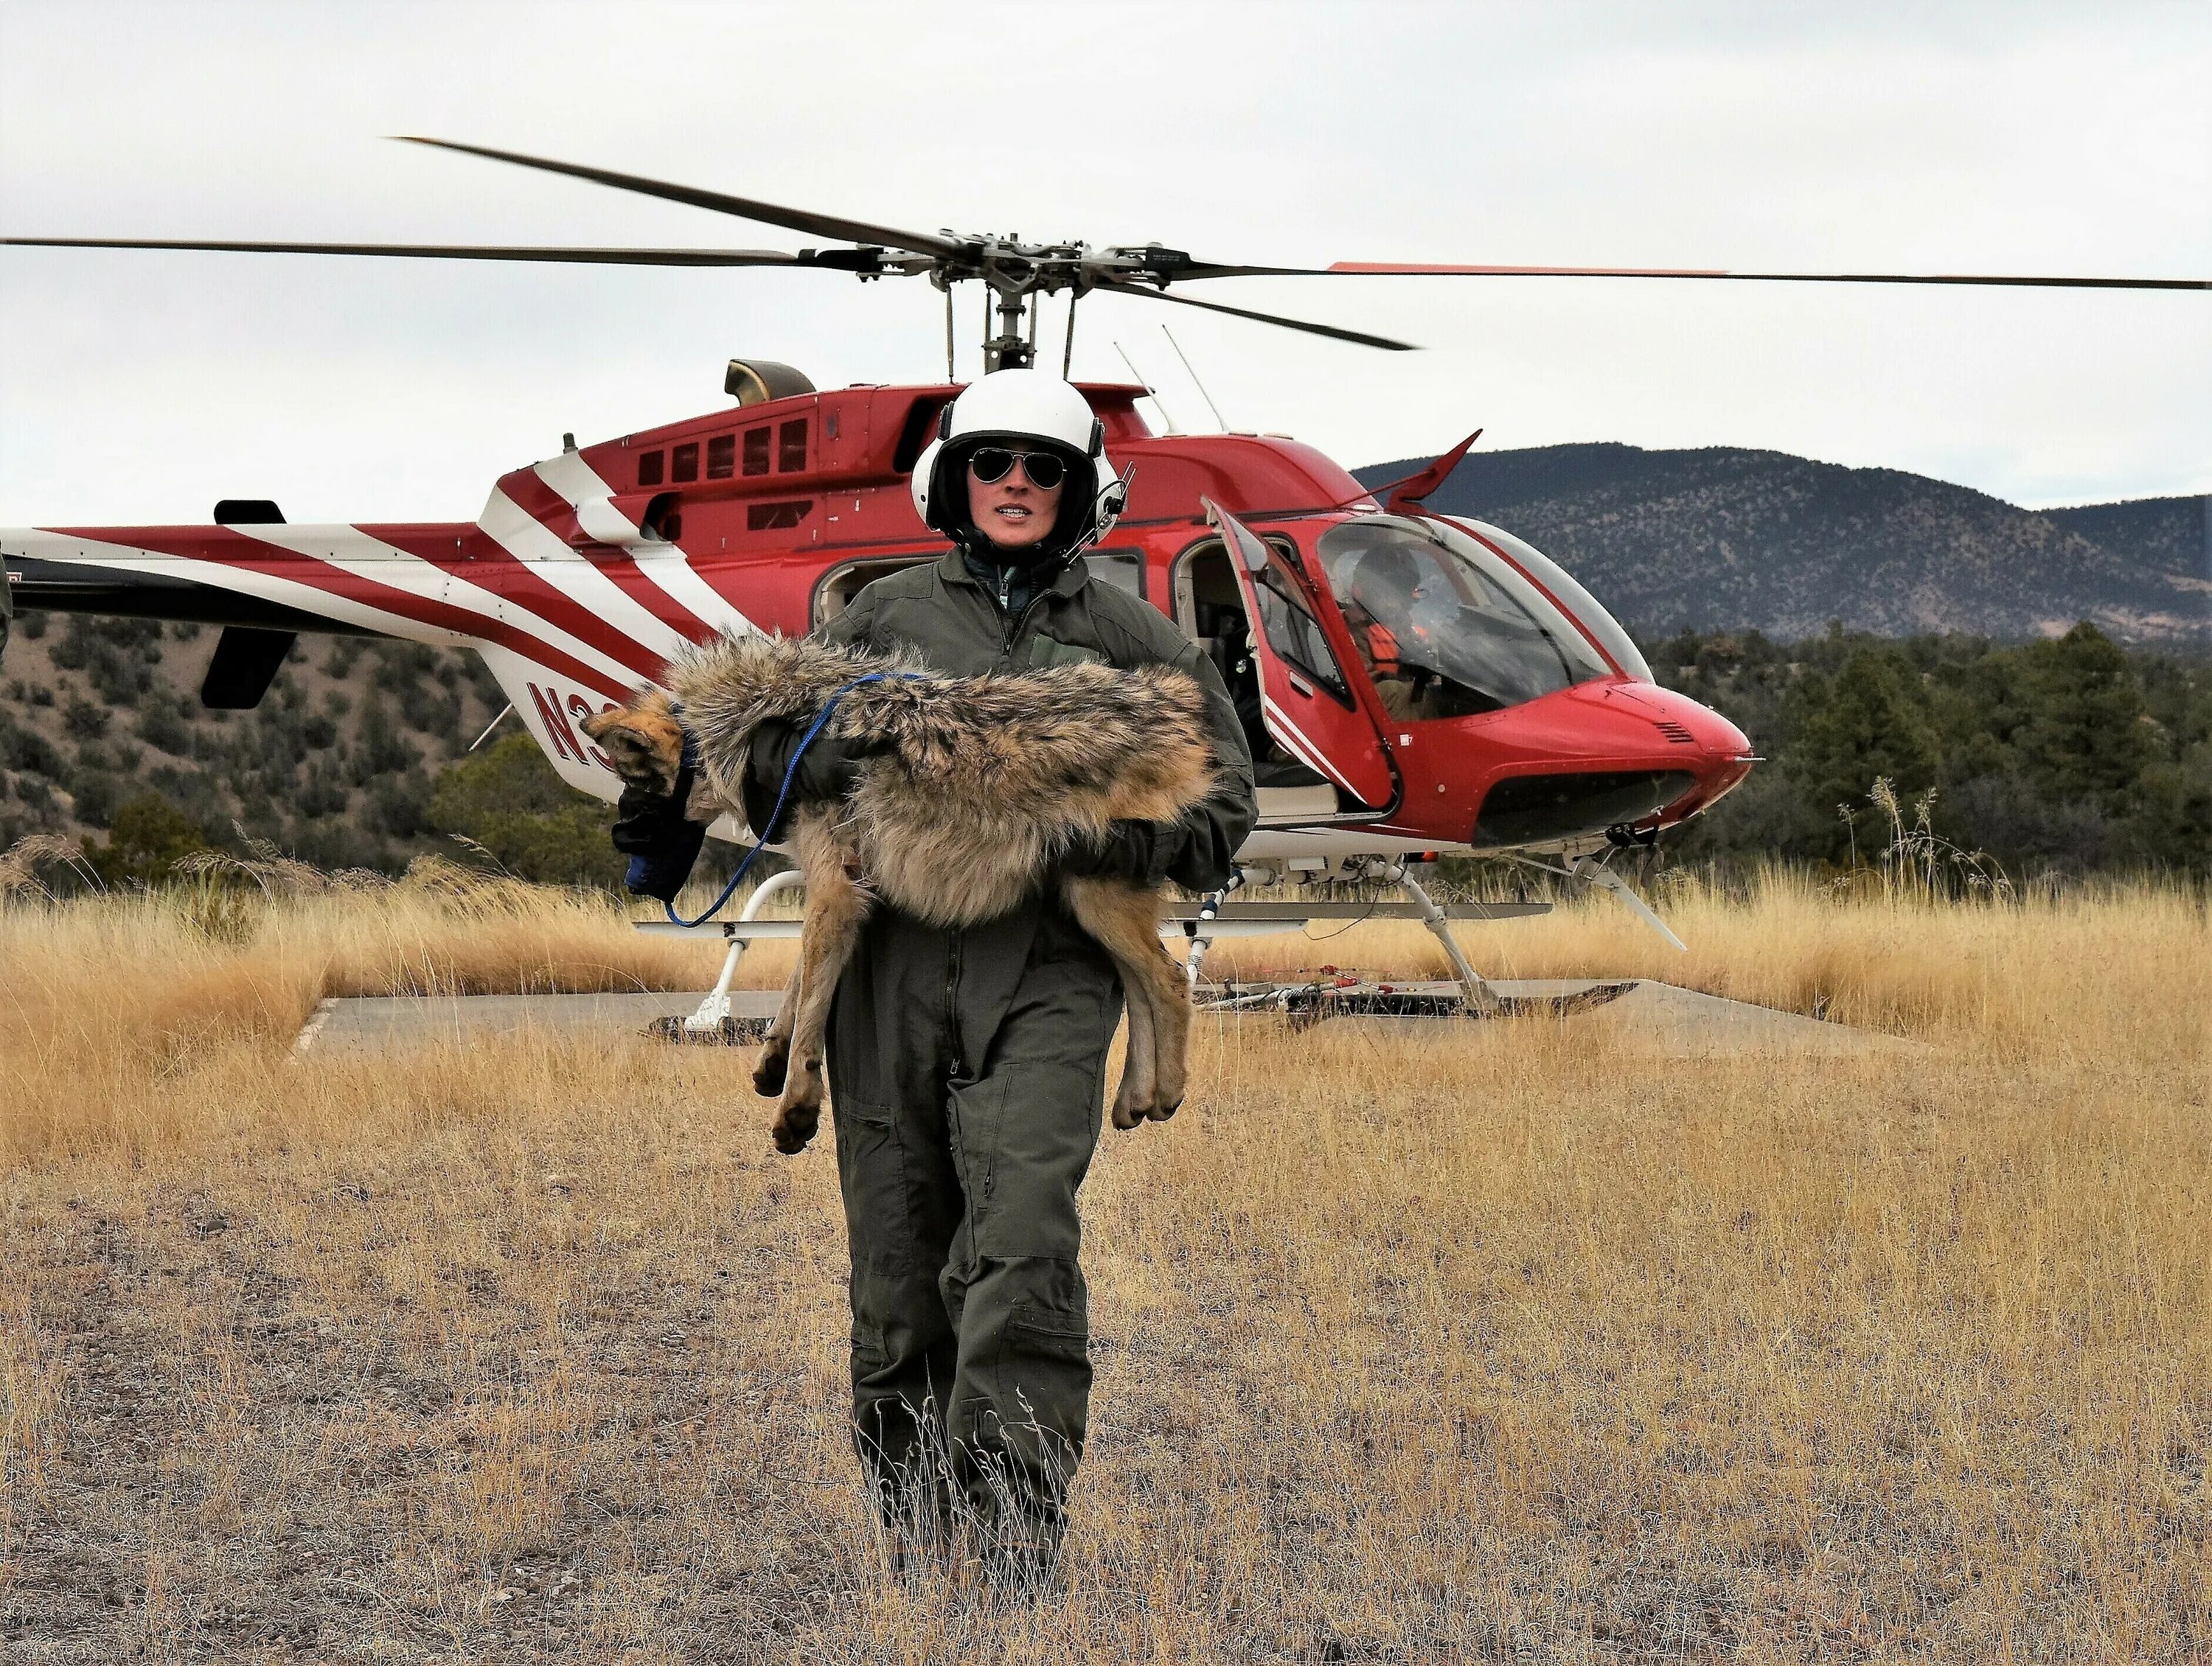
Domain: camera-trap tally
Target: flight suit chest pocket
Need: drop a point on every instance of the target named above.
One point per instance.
(1044, 651)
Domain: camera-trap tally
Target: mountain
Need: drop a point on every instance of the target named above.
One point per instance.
(1729, 538)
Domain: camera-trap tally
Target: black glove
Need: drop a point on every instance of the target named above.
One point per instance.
(828, 771)
(1141, 852)
(651, 830)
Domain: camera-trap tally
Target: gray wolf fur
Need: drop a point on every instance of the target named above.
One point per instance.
(981, 785)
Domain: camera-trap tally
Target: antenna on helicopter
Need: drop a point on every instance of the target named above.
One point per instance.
(1151, 392)
(1219, 420)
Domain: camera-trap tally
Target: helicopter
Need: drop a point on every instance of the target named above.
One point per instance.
(1413, 686)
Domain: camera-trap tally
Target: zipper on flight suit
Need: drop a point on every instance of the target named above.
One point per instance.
(952, 1001)
(1014, 627)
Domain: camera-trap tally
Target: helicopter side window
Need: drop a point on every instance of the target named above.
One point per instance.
(1212, 614)
(721, 457)
(664, 519)
(757, 451)
(650, 465)
(840, 584)
(683, 462)
(791, 447)
(1295, 634)
(1124, 569)
(776, 517)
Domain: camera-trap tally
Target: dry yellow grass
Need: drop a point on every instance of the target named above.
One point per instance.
(1496, 1344)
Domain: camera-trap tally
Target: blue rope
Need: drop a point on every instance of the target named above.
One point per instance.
(783, 795)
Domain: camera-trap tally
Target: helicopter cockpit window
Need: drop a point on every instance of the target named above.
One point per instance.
(649, 467)
(1445, 629)
(721, 457)
(683, 462)
(757, 451)
(791, 447)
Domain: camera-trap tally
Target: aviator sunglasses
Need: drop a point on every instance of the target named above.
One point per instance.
(992, 463)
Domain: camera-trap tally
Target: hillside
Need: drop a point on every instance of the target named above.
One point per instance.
(1735, 539)
(337, 765)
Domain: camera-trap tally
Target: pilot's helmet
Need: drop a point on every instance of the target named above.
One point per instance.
(1038, 410)
(1383, 581)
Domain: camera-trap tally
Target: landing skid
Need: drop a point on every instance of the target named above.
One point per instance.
(1307, 1004)
(1201, 928)
(713, 1024)
(1198, 926)
(1217, 916)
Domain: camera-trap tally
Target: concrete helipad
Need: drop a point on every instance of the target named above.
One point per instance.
(1637, 1013)
(374, 1023)
(1660, 1019)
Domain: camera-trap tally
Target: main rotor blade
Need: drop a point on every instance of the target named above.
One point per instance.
(1387, 269)
(442, 251)
(1328, 330)
(769, 213)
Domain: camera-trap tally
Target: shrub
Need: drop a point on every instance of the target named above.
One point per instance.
(147, 838)
(508, 799)
(162, 723)
(26, 748)
(99, 796)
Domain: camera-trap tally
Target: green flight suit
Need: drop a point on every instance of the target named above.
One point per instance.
(967, 1075)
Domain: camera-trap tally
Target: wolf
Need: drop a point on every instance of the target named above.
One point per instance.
(972, 790)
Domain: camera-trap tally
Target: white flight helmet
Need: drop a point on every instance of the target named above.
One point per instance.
(1037, 407)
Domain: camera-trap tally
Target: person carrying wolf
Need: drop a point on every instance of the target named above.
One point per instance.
(967, 1068)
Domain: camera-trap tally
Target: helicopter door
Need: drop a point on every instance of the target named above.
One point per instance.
(1306, 700)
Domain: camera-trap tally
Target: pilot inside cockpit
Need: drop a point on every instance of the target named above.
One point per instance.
(1384, 601)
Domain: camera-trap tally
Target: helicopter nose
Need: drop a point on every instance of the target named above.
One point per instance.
(1690, 736)
(1723, 751)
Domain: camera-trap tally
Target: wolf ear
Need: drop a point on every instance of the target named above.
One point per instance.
(643, 740)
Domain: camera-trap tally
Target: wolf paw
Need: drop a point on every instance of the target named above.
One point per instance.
(768, 1071)
(1162, 1112)
(794, 1126)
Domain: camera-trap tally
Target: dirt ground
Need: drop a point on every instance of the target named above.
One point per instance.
(1487, 1345)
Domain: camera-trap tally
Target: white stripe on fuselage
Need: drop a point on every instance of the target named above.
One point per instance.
(1297, 740)
(529, 540)
(351, 550)
(665, 567)
(93, 553)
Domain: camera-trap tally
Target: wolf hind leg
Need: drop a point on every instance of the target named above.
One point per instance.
(768, 1070)
(837, 905)
(1125, 918)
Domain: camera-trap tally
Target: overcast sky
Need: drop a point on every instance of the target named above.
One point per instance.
(140, 387)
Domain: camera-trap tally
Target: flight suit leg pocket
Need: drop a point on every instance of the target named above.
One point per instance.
(1056, 1335)
(1038, 1121)
(872, 1174)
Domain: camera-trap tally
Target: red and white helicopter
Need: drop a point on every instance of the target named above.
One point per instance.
(1488, 703)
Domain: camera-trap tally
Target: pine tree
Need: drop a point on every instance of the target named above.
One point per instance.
(2084, 736)
(1869, 723)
